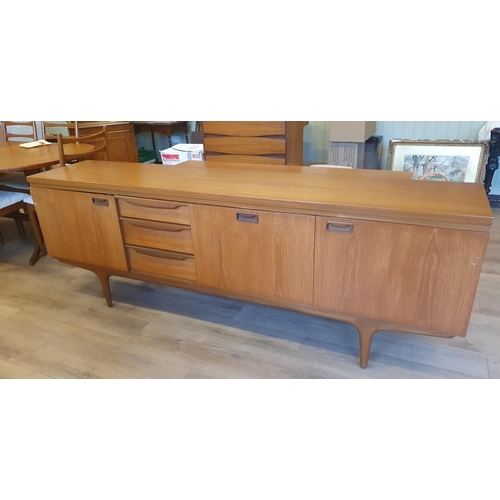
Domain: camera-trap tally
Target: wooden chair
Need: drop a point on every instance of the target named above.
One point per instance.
(19, 131)
(438, 175)
(15, 181)
(99, 140)
(10, 204)
(51, 129)
(39, 250)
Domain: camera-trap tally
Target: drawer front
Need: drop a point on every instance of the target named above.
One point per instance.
(159, 210)
(242, 129)
(161, 235)
(172, 264)
(264, 160)
(245, 145)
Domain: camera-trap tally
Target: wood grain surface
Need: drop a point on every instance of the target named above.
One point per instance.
(367, 194)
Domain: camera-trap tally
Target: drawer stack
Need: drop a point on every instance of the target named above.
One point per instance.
(157, 237)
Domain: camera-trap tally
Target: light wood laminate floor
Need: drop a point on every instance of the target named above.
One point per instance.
(54, 323)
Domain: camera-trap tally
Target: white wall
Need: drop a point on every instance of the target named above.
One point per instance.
(316, 138)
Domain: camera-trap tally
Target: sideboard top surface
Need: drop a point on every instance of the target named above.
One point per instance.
(369, 194)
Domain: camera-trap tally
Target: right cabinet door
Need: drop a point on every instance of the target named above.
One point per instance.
(263, 254)
(413, 275)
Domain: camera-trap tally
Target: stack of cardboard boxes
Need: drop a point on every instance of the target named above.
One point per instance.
(348, 142)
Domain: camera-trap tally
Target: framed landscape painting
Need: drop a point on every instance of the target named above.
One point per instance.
(452, 160)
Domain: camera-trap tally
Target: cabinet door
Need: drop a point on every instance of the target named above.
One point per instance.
(414, 275)
(122, 144)
(81, 227)
(252, 252)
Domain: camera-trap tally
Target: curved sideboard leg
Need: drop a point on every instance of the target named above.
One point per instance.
(366, 330)
(104, 279)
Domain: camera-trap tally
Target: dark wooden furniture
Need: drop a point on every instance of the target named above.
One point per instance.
(122, 145)
(368, 247)
(492, 163)
(277, 143)
(165, 128)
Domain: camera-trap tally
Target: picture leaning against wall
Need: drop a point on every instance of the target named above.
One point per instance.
(452, 160)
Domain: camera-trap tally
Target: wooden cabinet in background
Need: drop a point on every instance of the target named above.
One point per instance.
(277, 143)
(121, 139)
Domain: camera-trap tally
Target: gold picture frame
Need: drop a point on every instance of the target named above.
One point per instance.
(456, 160)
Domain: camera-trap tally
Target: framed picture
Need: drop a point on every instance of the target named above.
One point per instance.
(452, 160)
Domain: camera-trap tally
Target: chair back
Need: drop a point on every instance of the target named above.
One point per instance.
(19, 131)
(99, 140)
(51, 129)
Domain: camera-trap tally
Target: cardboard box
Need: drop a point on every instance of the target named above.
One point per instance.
(346, 154)
(181, 152)
(351, 131)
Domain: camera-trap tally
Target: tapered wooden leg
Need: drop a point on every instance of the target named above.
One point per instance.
(35, 225)
(104, 279)
(366, 330)
(19, 224)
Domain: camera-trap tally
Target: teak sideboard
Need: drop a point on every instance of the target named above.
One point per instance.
(372, 248)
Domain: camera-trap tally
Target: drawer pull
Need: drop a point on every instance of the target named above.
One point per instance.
(100, 202)
(241, 217)
(340, 227)
(162, 254)
(155, 204)
(158, 226)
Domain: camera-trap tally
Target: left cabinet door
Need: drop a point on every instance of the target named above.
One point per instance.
(80, 227)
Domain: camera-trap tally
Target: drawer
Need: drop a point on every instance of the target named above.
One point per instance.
(159, 210)
(172, 264)
(245, 145)
(161, 235)
(242, 129)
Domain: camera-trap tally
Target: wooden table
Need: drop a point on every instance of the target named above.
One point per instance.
(14, 158)
(377, 250)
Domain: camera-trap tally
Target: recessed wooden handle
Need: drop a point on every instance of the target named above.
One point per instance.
(242, 217)
(155, 204)
(340, 227)
(157, 226)
(101, 202)
(162, 254)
